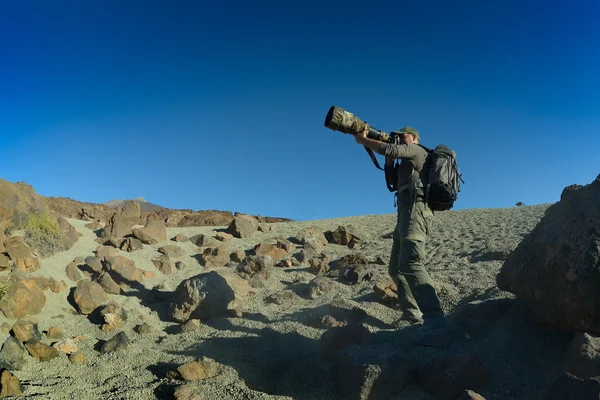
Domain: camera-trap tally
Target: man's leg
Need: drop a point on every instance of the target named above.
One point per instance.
(410, 263)
(408, 304)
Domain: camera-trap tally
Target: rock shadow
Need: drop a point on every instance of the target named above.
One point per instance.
(313, 317)
(284, 364)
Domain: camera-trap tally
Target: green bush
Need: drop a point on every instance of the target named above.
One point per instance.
(43, 233)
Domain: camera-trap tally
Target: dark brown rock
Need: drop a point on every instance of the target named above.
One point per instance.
(554, 271)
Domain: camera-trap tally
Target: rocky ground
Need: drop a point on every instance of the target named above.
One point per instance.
(272, 347)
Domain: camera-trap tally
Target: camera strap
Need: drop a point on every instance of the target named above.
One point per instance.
(372, 155)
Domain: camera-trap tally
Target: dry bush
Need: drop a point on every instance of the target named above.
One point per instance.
(3, 286)
(43, 233)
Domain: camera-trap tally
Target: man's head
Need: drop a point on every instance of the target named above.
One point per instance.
(408, 135)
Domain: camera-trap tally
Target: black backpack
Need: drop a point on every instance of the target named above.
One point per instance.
(442, 178)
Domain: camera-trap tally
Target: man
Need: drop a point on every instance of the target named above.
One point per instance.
(418, 299)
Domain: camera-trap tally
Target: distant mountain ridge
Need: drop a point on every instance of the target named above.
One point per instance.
(144, 205)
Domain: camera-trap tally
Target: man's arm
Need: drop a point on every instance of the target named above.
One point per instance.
(389, 150)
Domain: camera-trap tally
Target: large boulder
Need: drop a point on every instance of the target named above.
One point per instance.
(20, 254)
(555, 270)
(69, 234)
(123, 220)
(23, 297)
(154, 232)
(243, 226)
(207, 295)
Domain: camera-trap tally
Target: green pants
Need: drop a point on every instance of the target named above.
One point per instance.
(415, 287)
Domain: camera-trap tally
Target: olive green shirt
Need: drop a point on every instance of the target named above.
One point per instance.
(413, 158)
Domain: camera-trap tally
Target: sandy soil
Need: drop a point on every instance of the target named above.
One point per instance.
(273, 352)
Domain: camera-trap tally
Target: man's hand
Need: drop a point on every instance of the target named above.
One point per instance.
(361, 136)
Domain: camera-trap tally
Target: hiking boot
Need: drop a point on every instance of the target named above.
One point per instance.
(408, 319)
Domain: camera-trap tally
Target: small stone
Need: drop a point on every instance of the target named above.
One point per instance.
(180, 237)
(196, 370)
(26, 330)
(73, 272)
(282, 297)
(191, 326)
(57, 286)
(10, 385)
(6, 327)
(41, 352)
(119, 342)
(148, 274)
(12, 354)
(67, 346)
(163, 264)
(114, 317)
(77, 358)
(330, 322)
(223, 236)
(143, 329)
(55, 332)
(187, 392)
(237, 256)
(179, 265)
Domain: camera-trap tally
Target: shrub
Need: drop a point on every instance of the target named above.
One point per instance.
(43, 233)
(3, 286)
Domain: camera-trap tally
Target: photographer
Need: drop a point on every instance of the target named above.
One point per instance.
(418, 299)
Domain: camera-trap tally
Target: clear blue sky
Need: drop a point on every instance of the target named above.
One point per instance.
(220, 105)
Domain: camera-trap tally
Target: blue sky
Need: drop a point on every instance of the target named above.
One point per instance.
(220, 105)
